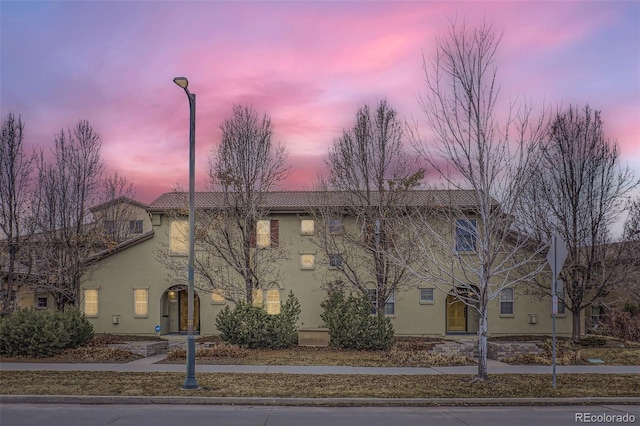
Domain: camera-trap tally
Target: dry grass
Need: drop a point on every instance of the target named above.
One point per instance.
(318, 386)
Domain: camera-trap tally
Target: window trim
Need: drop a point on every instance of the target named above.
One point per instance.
(38, 297)
(427, 301)
(146, 302)
(464, 233)
(134, 229)
(511, 301)
(333, 256)
(313, 227)
(313, 261)
(177, 224)
(336, 226)
(97, 302)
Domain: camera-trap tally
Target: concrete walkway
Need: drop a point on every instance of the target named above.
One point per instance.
(150, 364)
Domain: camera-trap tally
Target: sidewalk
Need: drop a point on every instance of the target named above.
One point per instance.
(149, 364)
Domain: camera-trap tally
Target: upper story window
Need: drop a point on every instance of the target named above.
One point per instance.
(135, 227)
(336, 226)
(466, 235)
(335, 261)
(307, 261)
(307, 227)
(217, 296)
(267, 233)
(179, 237)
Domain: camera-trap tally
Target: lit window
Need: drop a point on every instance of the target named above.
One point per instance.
(426, 295)
(335, 261)
(263, 233)
(257, 297)
(91, 302)
(466, 235)
(273, 302)
(179, 236)
(135, 227)
(307, 227)
(336, 226)
(141, 302)
(506, 301)
(307, 261)
(217, 296)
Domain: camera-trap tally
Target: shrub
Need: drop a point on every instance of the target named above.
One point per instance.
(252, 327)
(28, 332)
(78, 326)
(351, 324)
(621, 324)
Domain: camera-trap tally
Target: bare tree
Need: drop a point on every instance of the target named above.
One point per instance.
(238, 246)
(577, 191)
(369, 178)
(468, 235)
(16, 169)
(66, 188)
(116, 213)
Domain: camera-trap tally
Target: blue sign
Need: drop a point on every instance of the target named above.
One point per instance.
(157, 329)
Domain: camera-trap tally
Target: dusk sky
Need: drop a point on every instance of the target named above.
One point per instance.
(307, 64)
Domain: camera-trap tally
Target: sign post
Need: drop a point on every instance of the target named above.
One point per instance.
(556, 257)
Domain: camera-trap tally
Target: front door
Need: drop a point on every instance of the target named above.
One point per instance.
(183, 296)
(456, 315)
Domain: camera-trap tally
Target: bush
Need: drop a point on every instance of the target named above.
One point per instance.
(621, 324)
(252, 327)
(351, 324)
(28, 332)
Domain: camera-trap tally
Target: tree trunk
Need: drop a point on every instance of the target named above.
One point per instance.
(482, 344)
(577, 326)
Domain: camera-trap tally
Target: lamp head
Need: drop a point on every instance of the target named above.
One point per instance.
(181, 81)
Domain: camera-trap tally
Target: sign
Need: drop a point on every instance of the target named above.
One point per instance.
(554, 304)
(557, 255)
(157, 329)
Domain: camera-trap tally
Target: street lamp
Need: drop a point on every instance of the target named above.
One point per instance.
(190, 381)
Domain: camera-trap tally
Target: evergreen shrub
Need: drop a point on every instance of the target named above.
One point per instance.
(351, 324)
(252, 327)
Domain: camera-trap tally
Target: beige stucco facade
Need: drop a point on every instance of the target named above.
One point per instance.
(136, 294)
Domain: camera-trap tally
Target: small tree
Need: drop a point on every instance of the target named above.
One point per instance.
(16, 169)
(468, 235)
(66, 188)
(577, 191)
(369, 179)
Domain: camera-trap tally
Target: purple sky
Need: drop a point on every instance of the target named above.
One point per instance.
(307, 64)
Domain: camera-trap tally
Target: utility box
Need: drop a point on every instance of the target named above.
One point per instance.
(115, 319)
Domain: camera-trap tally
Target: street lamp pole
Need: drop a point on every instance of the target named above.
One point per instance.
(190, 381)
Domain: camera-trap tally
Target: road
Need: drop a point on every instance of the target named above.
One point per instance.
(194, 415)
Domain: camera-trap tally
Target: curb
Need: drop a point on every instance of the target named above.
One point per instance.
(310, 402)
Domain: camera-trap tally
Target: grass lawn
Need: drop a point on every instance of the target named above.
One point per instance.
(318, 386)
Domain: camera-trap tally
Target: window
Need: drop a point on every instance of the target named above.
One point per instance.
(307, 261)
(273, 302)
(389, 306)
(561, 307)
(41, 302)
(266, 233)
(217, 296)
(466, 235)
(91, 302)
(596, 312)
(426, 295)
(141, 302)
(307, 227)
(135, 227)
(179, 237)
(506, 301)
(336, 226)
(335, 261)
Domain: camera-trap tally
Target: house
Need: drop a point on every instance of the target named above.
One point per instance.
(134, 289)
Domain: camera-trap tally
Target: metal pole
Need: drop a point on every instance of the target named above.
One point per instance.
(554, 304)
(190, 382)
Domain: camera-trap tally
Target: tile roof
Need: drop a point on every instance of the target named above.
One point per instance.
(302, 200)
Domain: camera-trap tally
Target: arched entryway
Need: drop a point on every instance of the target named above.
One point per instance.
(175, 310)
(460, 318)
